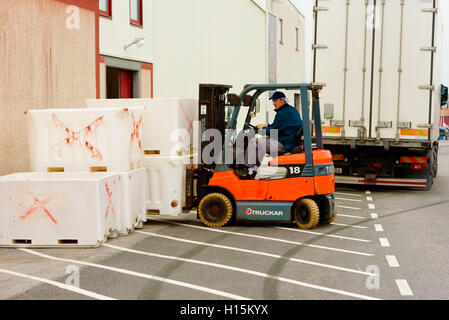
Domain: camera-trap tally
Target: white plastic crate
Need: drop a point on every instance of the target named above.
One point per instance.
(169, 122)
(83, 140)
(166, 183)
(133, 213)
(59, 209)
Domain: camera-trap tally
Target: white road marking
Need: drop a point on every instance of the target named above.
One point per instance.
(371, 206)
(384, 242)
(404, 288)
(267, 238)
(367, 192)
(369, 198)
(322, 234)
(259, 253)
(251, 272)
(348, 194)
(86, 293)
(378, 227)
(348, 225)
(346, 207)
(374, 216)
(350, 216)
(392, 261)
(141, 275)
(347, 199)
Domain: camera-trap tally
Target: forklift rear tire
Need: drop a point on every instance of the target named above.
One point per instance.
(215, 210)
(307, 214)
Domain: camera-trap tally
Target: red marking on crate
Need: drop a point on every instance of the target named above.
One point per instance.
(37, 204)
(79, 136)
(136, 130)
(110, 206)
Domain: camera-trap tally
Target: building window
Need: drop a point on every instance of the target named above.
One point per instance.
(105, 7)
(281, 31)
(135, 12)
(297, 39)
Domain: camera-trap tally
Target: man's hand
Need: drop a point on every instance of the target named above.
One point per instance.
(262, 126)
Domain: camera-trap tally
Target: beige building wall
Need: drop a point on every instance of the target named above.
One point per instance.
(44, 64)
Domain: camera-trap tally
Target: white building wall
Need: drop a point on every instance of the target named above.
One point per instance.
(291, 63)
(211, 41)
(117, 32)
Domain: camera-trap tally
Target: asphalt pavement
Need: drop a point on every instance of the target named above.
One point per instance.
(386, 243)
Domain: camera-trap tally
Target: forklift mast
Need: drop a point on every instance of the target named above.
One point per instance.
(212, 101)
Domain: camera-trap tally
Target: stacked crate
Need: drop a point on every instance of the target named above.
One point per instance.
(87, 183)
(169, 146)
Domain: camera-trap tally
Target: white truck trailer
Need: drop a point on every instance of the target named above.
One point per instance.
(379, 60)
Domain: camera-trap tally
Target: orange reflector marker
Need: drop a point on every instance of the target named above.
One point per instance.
(415, 132)
(331, 129)
(174, 204)
(413, 160)
(338, 157)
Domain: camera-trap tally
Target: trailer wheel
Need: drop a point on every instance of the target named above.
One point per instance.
(435, 162)
(429, 180)
(307, 214)
(215, 210)
(329, 221)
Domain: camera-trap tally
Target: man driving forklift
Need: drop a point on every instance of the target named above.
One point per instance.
(287, 122)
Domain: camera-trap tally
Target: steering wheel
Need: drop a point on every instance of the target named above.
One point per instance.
(251, 126)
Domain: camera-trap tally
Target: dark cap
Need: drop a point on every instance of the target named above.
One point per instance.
(278, 95)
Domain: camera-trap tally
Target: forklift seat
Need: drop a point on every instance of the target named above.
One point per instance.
(299, 144)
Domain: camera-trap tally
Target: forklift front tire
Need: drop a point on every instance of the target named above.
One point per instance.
(215, 210)
(307, 214)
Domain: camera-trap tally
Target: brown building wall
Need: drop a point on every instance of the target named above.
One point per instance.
(43, 64)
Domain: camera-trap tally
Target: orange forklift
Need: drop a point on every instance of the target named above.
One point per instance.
(303, 192)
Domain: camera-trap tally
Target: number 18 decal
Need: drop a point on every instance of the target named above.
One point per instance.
(295, 170)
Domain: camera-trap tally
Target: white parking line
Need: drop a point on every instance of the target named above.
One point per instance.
(259, 253)
(251, 272)
(378, 227)
(86, 293)
(348, 225)
(371, 206)
(350, 216)
(367, 192)
(346, 207)
(322, 234)
(347, 199)
(369, 198)
(392, 261)
(384, 242)
(141, 275)
(404, 288)
(348, 194)
(267, 238)
(374, 216)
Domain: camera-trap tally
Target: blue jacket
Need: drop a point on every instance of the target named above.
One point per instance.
(287, 122)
